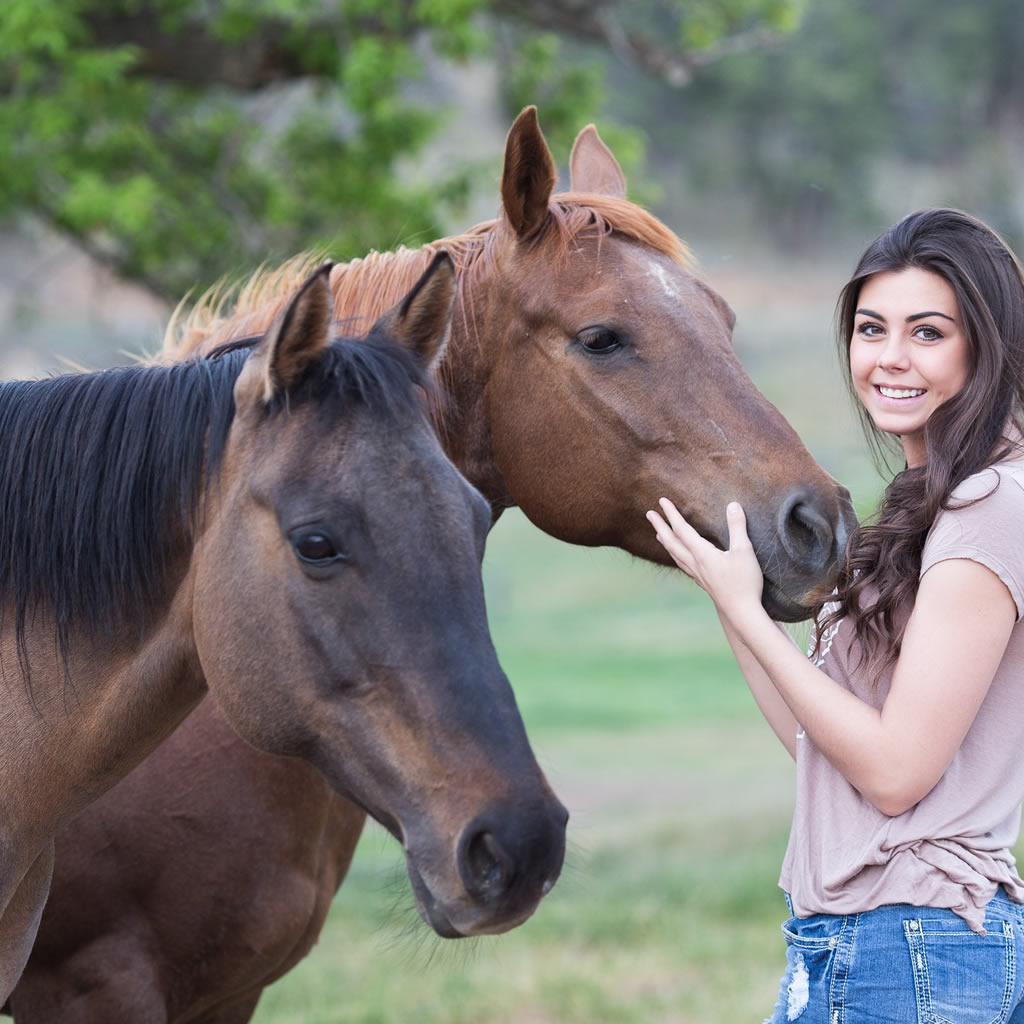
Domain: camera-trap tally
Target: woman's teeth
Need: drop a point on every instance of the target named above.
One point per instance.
(901, 392)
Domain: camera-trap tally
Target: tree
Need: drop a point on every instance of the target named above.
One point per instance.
(863, 109)
(142, 128)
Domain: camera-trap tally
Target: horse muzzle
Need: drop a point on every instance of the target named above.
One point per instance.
(500, 868)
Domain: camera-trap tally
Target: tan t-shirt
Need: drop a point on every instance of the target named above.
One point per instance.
(952, 849)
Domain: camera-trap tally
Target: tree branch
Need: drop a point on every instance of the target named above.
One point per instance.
(599, 23)
(195, 55)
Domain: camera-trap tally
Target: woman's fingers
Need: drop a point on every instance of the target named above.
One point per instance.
(669, 541)
(731, 577)
(679, 525)
(736, 521)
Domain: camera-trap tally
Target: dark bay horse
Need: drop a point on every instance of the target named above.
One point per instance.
(280, 527)
(588, 372)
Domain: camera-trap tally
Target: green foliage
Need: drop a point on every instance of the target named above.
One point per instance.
(177, 184)
(176, 172)
(705, 22)
(795, 126)
(538, 71)
(182, 140)
(563, 80)
(457, 33)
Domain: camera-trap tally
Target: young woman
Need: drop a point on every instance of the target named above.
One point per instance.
(907, 719)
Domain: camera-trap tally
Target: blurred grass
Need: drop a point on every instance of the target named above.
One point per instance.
(668, 908)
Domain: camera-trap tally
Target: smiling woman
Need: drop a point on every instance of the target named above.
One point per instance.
(908, 353)
(905, 722)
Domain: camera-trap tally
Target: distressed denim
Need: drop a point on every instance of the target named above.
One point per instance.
(902, 964)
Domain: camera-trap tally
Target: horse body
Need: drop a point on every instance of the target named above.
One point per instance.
(169, 912)
(266, 586)
(588, 373)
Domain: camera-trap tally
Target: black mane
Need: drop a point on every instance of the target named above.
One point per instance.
(102, 475)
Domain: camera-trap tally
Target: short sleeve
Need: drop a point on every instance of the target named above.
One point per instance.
(985, 524)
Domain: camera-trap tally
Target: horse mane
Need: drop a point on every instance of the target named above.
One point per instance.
(104, 475)
(101, 479)
(375, 282)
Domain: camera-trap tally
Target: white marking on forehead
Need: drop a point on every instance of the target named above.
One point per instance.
(657, 271)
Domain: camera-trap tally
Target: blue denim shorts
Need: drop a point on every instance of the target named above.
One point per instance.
(904, 964)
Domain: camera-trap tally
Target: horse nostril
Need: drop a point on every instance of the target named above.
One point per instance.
(806, 534)
(486, 868)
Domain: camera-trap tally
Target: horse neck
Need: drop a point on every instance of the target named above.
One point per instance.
(104, 476)
(72, 731)
(367, 287)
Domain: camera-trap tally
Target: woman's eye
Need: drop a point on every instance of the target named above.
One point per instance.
(599, 340)
(869, 330)
(317, 548)
(926, 333)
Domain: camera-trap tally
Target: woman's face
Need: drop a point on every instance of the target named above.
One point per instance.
(908, 352)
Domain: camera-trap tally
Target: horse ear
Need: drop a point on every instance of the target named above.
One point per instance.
(297, 337)
(529, 176)
(593, 168)
(420, 321)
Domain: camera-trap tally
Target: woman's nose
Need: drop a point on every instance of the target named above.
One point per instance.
(893, 354)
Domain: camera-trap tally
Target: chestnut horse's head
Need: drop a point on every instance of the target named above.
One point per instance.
(342, 543)
(611, 381)
(590, 372)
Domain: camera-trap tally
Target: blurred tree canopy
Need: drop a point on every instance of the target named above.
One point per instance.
(178, 140)
(864, 112)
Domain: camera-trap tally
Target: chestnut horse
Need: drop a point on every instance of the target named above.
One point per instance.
(278, 526)
(589, 372)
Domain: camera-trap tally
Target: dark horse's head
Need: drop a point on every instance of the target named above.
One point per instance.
(339, 609)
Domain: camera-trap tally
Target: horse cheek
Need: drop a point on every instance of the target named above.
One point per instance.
(235, 636)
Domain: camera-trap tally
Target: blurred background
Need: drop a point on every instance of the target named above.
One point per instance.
(151, 148)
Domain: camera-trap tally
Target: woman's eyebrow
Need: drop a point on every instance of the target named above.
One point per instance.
(910, 319)
(931, 312)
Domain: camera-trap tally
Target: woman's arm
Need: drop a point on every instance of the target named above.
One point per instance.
(953, 643)
(767, 697)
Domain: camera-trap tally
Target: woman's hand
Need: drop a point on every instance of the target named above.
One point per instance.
(732, 578)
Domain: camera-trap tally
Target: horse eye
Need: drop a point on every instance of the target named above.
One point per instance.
(316, 548)
(599, 340)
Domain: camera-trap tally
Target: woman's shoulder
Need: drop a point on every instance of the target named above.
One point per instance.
(1006, 477)
(988, 505)
(984, 521)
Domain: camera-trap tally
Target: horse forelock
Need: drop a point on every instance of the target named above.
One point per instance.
(369, 371)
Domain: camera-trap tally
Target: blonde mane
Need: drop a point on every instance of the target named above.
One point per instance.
(374, 283)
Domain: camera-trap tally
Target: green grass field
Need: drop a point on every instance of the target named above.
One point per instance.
(668, 909)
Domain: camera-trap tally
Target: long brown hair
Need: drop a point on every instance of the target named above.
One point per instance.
(963, 435)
